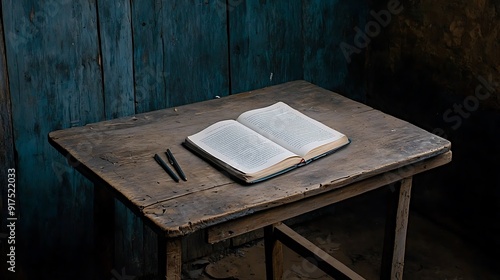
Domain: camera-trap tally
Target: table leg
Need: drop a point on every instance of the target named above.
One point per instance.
(104, 232)
(395, 232)
(274, 254)
(170, 258)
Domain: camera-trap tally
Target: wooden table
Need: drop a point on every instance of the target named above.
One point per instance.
(118, 155)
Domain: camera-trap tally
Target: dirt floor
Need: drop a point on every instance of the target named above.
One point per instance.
(353, 233)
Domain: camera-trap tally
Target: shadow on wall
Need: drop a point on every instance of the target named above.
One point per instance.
(464, 195)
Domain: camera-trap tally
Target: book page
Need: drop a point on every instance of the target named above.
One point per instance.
(239, 146)
(289, 128)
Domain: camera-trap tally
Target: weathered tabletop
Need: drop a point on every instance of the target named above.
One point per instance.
(119, 154)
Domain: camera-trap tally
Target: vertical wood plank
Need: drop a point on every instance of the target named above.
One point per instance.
(104, 234)
(274, 254)
(6, 140)
(194, 51)
(55, 82)
(395, 232)
(180, 53)
(328, 25)
(129, 243)
(115, 30)
(115, 33)
(266, 45)
(162, 256)
(195, 246)
(174, 259)
(149, 77)
(150, 257)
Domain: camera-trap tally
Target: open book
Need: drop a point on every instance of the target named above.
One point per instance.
(265, 142)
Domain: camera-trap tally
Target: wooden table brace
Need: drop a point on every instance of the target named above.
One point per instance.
(394, 243)
(310, 252)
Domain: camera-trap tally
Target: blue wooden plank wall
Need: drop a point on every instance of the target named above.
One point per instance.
(328, 24)
(116, 48)
(6, 147)
(55, 82)
(265, 43)
(73, 62)
(180, 53)
(116, 53)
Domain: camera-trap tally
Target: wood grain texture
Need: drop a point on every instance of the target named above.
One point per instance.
(55, 83)
(314, 254)
(149, 70)
(396, 227)
(266, 45)
(328, 24)
(180, 53)
(174, 259)
(76, 62)
(195, 246)
(6, 143)
(380, 143)
(115, 33)
(273, 253)
(150, 259)
(263, 218)
(401, 228)
(194, 37)
(6, 137)
(129, 241)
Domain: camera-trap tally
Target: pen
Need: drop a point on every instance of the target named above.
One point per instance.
(166, 168)
(176, 165)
